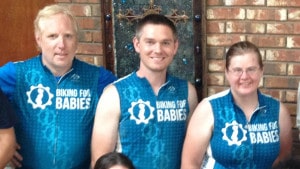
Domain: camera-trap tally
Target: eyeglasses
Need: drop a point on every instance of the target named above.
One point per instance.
(239, 71)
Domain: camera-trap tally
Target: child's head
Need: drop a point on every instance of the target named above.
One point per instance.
(114, 160)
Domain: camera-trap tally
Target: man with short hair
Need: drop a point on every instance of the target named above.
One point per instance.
(144, 114)
(55, 96)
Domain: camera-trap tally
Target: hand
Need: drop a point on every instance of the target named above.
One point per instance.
(17, 158)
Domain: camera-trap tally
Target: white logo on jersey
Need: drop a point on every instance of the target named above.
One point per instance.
(236, 129)
(37, 94)
(141, 106)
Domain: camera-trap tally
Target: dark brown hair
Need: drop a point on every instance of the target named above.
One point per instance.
(111, 159)
(156, 19)
(241, 48)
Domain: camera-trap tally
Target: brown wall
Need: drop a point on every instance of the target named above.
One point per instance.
(89, 17)
(16, 27)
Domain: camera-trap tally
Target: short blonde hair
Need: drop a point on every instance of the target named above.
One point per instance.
(51, 10)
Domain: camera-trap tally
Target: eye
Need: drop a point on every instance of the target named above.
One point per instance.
(252, 70)
(69, 36)
(52, 36)
(166, 43)
(149, 42)
(237, 70)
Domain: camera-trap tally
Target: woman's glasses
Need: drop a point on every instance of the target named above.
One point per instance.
(239, 71)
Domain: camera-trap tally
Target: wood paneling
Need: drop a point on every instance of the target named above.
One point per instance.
(17, 38)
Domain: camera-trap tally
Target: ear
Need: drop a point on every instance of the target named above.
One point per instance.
(136, 44)
(176, 46)
(38, 39)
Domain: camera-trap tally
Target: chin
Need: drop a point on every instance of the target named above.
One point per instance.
(247, 91)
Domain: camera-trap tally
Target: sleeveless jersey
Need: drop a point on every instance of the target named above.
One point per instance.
(152, 127)
(56, 117)
(240, 144)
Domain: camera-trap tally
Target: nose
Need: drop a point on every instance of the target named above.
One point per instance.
(157, 48)
(61, 42)
(244, 74)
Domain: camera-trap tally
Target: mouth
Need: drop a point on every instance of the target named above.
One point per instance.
(247, 84)
(157, 58)
(61, 54)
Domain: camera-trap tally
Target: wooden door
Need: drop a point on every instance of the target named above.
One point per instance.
(16, 28)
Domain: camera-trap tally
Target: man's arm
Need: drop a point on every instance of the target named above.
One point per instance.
(192, 98)
(7, 145)
(105, 130)
(198, 135)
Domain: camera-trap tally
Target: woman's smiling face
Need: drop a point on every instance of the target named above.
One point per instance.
(244, 73)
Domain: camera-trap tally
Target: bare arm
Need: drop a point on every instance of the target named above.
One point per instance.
(105, 130)
(192, 97)
(198, 135)
(286, 141)
(7, 145)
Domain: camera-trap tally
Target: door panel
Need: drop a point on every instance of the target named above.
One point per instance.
(17, 38)
(120, 18)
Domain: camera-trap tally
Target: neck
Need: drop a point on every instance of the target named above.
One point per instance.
(247, 103)
(59, 72)
(156, 79)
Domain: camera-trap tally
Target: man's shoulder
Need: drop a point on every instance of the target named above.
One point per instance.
(128, 77)
(175, 78)
(84, 63)
(35, 59)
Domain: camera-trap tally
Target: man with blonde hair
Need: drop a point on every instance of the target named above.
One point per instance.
(55, 96)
